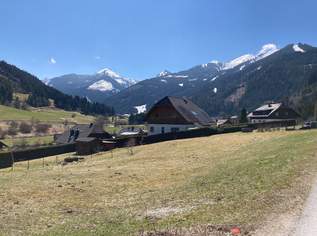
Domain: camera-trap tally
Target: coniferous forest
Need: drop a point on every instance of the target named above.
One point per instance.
(13, 79)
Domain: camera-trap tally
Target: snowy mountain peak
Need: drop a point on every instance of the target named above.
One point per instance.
(164, 73)
(109, 73)
(266, 50)
(238, 61)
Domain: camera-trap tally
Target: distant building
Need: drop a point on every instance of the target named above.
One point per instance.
(224, 122)
(82, 131)
(274, 115)
(235, 120)
(173, 114)
(2, 145)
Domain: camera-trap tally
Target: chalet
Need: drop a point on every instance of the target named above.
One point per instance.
(173, 114)
(82, 131)
(274, 115)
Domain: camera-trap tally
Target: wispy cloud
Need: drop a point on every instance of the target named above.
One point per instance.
(97, 57)
(52, 61)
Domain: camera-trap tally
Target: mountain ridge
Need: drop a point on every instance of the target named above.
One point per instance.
(276, 76)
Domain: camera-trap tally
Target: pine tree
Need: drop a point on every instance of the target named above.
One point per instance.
(243, 116)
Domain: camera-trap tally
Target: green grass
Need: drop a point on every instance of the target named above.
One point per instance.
(42, 114)
(230, 179)
(43, 140)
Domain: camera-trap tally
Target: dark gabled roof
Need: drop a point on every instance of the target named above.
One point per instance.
(265, 110)
(85, 140)
(85, 131)
(187, 109)
(2, 144)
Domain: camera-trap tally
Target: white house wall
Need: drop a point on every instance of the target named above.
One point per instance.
(168, 128)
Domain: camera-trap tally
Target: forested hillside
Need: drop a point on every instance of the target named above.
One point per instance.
(13, 79)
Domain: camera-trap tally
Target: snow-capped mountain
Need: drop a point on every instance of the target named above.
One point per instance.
(266, 51)
(96, 87)
(223, 88)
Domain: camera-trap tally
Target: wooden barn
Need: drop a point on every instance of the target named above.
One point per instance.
(87, 146)
(174, 114)
(274, 115)
(82, 131)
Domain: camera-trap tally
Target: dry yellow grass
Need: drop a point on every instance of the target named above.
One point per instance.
(224, 179)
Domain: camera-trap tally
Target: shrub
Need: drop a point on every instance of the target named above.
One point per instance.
(25, 128)
(13, 128)
(42, 128)
(3, 133)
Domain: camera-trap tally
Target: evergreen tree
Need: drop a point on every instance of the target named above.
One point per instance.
(243, 116)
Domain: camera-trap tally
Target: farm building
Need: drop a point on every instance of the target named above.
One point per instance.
(87, 146)
(173, 114)
(82, 131)
(274, 115)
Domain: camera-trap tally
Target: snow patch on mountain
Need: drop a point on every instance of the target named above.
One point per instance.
(101, 85)
(141, 109)
(298, 49)
(164, 80)
(121, 81)
(177, 76)
(214, 62)
(164, 73)
(215, 90)
(181, 85)
(214, 78)
(242, 67)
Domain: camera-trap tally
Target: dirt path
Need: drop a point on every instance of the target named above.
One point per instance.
(307, 223)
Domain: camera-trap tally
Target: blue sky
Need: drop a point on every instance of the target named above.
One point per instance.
(140, 38)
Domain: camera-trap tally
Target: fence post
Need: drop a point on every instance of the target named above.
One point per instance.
(12, 159)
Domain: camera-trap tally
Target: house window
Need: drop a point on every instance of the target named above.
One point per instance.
(174, 130)
(151, 129)
(163, 130)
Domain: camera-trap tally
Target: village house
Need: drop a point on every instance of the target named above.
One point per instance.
(82, 131)
(274, 115)
(173, 114)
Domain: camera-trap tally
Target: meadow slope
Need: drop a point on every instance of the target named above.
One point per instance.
(231, 179)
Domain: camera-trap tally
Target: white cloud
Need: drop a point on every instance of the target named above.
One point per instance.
(97, 57)
(52, 61)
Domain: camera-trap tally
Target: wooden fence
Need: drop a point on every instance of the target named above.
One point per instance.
(8, 158)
